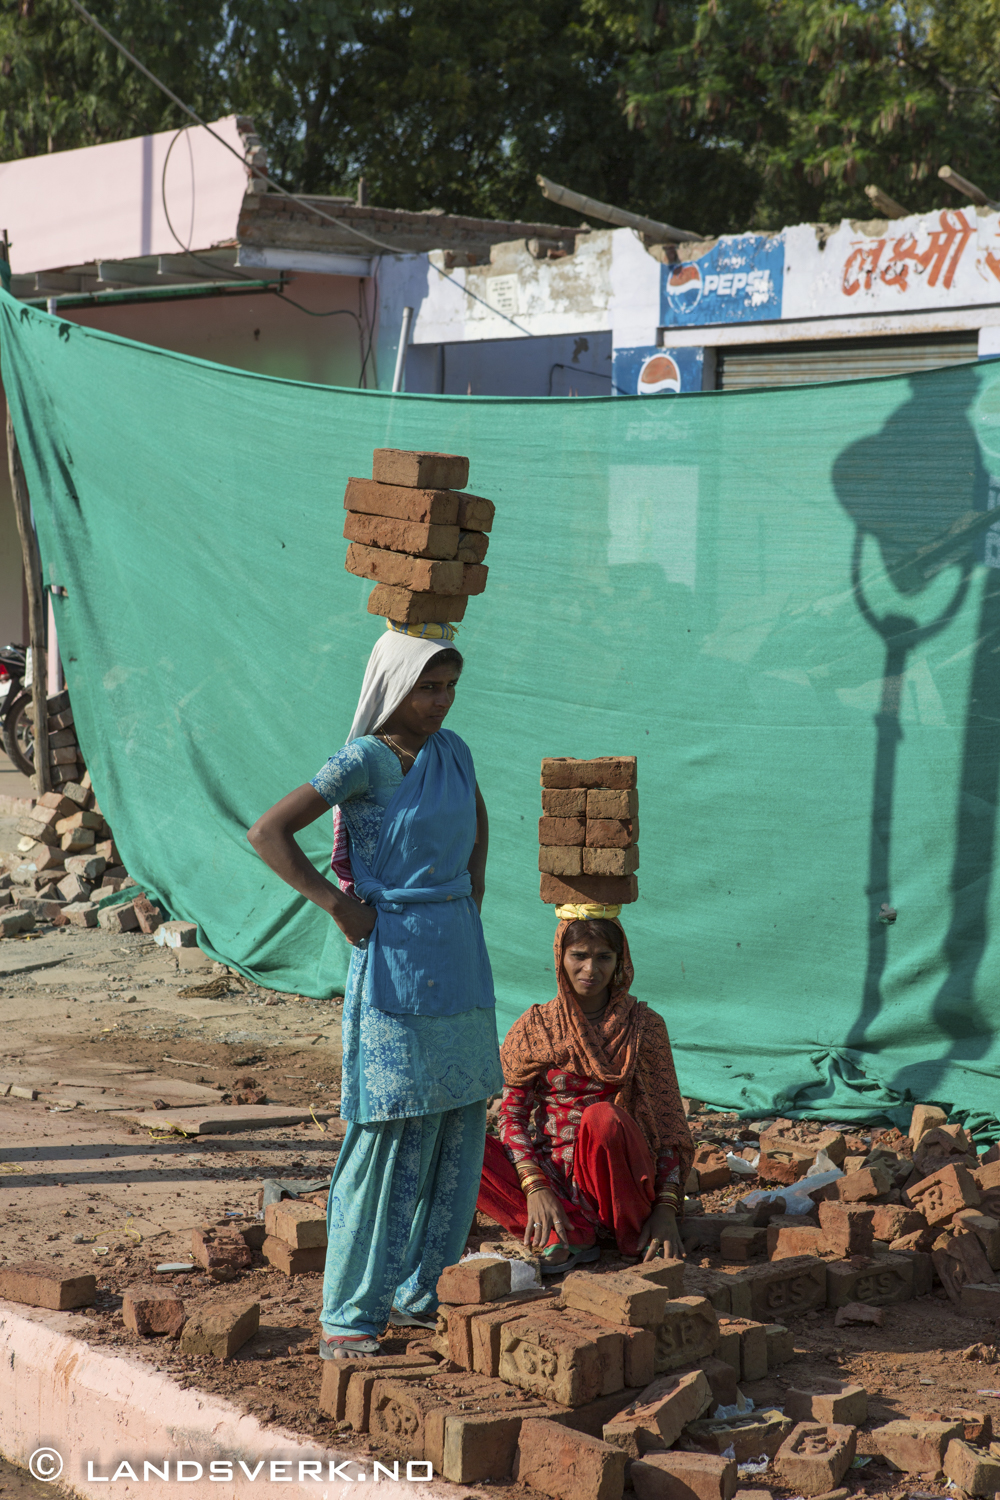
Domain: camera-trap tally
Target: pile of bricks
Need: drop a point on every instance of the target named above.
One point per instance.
(420, 539)
(66, 762)
(589, 830)
(295, 1231)
(896, 1223)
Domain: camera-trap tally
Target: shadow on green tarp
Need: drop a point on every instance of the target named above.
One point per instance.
(710, 583)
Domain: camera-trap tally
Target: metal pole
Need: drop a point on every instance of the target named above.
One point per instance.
(36, 610)
(404, 339)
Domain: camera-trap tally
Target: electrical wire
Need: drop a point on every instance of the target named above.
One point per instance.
(305, 203)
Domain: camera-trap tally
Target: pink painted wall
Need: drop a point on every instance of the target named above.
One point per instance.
(106, 202)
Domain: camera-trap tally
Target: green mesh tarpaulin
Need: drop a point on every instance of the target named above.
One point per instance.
(705, 582)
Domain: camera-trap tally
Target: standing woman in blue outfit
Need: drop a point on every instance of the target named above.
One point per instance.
(419, 1031)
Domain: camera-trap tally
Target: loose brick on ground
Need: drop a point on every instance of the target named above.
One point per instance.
(477, 1280)
(638, 1348)
(302, 1226)
(118, 918)
(863, 1186)
(827, 1401)
(786, 1287)
(780, 1344)
(848, 1230)
(815, 1456)
(684, 1476)
(742, 1242)
(753, 1345)
(292, 1262)
(943, 1193)
(482, 1445)
(986, 1229)
(722, 1378)
(221, 1330)
(886, 1279)
(689, 1332)
(971, 1470)
(915, 1447)
(337, 1374)
(666, 1273)
(709, 1162)
(551, 1362)
(890, 1221)
(749, 1436)
(618, 1297)
(150, 1310)
(409, 1415)
(962, 1262)
(925, 1117)
(980, 1301)
(357, 1404)
(658, 1417)
(478, 1330)
(786, 1241)
(215, 1248)
(36, 1283)
(568, 1465)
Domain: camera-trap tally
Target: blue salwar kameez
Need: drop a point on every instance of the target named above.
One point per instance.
(415, 1082)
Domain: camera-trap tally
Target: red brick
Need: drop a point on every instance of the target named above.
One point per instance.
(943, 1193)
(711, 1166)
(37, 1283)
(925, 1117)
(752, 1346)
(600, 890)
(302, 1226)
(616, 772)
(857, 1312)
(413, 537)
(977, 1426)
(221, 1329)
(611, 861)
(785, 1241)
(407, 608)
(565, 802)
(750, 1436)
(147, 914)
(553, 1362)
(970, 1470)
(612, 833)
(475, 513)
(485, 1325)
(555, 831)
(827, 1401)
(618, 1297)
(722, 1378)
(420, 470)
(684, 1476)
(401, 571)
(961, 1262)
(790, 1139)
(689, 1332)
(409, 1412)
(482, 1445)
(666, 1273)
(890, 1221)
(563, 860)
(472, 546)
(915, 1447)
(780, 1345)
(612, 804)
(567, 1465)
(847, 1230)
(742, 1242)
(477, 1280)
(638, 1347)
(987, 1176)
(815, 1457)
(293, 1262)
(474, 575)
(592, 1416)
(657, 1418)
(883, 1280)
(337, 1375)
(433, 507)
(980, 1300)
(781, 1169)
(151, 1310)
(985, 1228)
(787, 1287)
(213, 1248)
(357, 1404)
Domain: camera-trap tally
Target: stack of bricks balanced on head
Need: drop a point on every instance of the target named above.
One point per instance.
(589, 830)
(417, 537)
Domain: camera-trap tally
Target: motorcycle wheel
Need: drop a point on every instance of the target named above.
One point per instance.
(19, 734)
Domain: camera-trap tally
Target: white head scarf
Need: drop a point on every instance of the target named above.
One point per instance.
(394, 668)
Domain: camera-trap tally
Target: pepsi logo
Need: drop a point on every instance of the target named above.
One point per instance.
(658, 374)
(684, 287)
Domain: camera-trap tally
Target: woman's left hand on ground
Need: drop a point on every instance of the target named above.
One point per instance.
(660, 1235)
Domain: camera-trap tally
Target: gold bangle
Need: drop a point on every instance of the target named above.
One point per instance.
(532, 1184)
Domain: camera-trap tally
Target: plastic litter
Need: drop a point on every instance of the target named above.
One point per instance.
(176, 1265)
(797, 1200)
(727, 1413)
(524, 1274)
(861, 1460)
(755, 1466)
(740, 1166)
(102, 1249)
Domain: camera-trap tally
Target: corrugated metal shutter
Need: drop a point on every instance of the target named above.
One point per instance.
(746, 365)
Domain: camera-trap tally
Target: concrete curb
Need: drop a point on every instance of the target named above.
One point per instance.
(94, 1407)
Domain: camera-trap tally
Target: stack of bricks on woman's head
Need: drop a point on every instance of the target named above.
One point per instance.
(589, 831)
(421, 541)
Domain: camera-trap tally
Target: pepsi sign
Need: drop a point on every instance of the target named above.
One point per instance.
(652, 371)
(738, 281)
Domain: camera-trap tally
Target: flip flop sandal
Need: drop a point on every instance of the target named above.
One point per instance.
(411, 1320)
(582, 1257)
(348, 1346)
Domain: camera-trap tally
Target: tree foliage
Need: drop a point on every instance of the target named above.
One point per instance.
(717, 115)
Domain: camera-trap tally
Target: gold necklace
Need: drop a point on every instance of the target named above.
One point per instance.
(399, 749)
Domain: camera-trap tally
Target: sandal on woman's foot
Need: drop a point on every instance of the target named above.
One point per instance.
(348, 1346)
(411, 1320)
(580, 1257)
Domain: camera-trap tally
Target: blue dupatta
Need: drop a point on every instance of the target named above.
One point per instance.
(427, 954)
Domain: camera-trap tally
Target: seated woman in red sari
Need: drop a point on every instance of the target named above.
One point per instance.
(592, 1129)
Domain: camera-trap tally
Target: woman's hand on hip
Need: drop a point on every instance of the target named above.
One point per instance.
(355, 920)
(545, 1214)
(660, 1235)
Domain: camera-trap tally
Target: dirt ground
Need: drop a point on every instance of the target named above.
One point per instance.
(100, 1026)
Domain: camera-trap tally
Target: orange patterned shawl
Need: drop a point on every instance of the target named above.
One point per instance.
(628, 1050)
